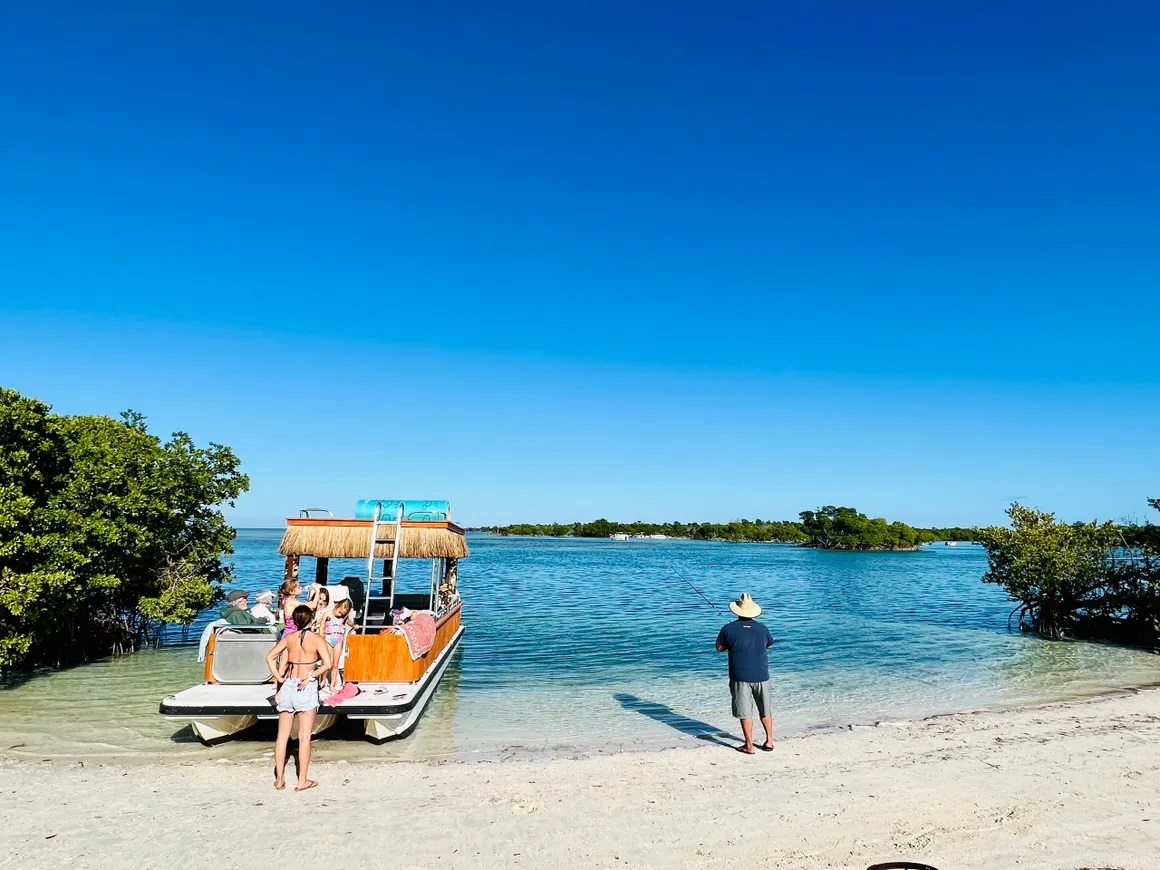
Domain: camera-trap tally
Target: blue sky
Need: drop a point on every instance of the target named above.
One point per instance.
(663, 261)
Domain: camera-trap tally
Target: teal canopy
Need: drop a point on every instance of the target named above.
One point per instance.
(437, 510)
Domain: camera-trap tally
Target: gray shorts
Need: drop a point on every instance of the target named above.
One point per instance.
(298, 696)
(751, 700)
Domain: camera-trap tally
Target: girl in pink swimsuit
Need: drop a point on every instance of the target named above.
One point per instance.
(333, 630)
(287, 600)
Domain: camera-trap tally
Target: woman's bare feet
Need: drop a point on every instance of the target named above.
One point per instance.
(310, 783)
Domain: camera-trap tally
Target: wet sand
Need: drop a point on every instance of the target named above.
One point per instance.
(1070, 785)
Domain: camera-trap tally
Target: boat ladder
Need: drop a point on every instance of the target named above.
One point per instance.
(379, 536)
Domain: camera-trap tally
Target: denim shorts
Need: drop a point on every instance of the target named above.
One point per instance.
(298, 696)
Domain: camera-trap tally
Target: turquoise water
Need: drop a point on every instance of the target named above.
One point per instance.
(587, 645)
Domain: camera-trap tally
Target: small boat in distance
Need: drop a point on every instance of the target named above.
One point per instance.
(619, 536)
(395, 665)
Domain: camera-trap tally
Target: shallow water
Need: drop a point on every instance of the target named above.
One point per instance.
(592, 645)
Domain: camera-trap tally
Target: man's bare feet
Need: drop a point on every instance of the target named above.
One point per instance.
(310, 783)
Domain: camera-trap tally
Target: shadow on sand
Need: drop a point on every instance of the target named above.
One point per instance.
(668, 716)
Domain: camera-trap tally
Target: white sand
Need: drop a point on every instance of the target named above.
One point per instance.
(1066, 786)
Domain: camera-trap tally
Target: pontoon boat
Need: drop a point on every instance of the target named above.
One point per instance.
(395, 680)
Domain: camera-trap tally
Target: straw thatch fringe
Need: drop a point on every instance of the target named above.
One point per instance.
(352, 542)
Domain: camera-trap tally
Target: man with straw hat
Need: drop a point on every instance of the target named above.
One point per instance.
(746, 641)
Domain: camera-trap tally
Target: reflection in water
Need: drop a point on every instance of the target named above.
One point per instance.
(589, 645)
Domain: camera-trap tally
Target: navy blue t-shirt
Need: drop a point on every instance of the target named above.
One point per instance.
(747, 641)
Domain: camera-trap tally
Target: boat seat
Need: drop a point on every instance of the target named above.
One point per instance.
(239, 655)
(358, 592)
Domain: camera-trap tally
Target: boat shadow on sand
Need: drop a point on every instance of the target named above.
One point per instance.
(666, 715)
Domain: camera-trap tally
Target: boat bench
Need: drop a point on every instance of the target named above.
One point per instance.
(239, 655)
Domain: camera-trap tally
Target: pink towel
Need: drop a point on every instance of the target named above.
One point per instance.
(348, 691)
(418, 627)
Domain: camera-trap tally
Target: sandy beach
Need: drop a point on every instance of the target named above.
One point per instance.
(1071, 785)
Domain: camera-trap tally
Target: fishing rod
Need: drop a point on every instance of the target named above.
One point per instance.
(689, 583)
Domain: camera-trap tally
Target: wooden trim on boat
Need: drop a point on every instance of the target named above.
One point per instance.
(209, 649)
(385, 658)
(341, 522)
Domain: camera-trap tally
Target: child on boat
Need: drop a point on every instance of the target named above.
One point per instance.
(334, 631)
(319, 602)
(288, 594)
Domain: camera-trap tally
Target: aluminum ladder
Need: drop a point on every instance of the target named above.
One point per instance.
(378, 536)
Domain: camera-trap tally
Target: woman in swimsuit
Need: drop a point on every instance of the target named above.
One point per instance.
(308, 658)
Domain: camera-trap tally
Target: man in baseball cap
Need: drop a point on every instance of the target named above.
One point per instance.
(235, 612)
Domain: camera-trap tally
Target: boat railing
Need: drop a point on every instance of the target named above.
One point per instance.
(306, 512)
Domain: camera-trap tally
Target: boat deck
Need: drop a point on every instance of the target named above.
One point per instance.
(215, 699)
(257, 699)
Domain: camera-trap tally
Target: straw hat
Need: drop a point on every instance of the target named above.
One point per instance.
(745, 606)
(265, 595)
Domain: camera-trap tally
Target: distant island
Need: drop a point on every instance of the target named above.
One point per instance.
(827, 528)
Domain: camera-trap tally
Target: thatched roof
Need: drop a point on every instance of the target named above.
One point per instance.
(350, 539)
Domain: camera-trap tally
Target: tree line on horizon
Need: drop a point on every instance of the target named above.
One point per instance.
(829, 527)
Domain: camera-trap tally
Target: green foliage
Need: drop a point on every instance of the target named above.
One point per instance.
(103, 529)
(844, 528)
(1145, 537)
(738, 530)
(876, 535)
(955, 533)
(1086, 579)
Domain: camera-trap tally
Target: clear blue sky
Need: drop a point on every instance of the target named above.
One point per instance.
(667, 261)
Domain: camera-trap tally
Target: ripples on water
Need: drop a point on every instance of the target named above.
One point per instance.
(591, 644)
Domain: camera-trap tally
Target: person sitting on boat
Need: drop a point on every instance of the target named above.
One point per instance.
(261, 611)
(307, 657)
(235, 612)
(288, 594)
(746, 641)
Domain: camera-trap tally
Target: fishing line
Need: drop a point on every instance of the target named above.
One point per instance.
(689, 583)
